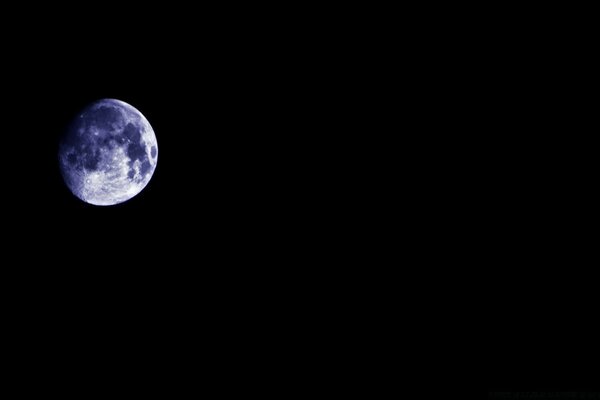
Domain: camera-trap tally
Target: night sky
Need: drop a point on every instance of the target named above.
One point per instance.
(236, 111)
(227, 234)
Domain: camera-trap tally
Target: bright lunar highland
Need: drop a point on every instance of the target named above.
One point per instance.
(108, 154)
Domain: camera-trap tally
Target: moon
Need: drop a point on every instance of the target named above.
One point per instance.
(108, 154)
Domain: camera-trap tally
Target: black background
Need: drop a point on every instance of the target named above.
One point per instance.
(216, 264)
(536, 206)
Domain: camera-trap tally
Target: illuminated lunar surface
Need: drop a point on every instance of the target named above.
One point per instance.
(109, 153)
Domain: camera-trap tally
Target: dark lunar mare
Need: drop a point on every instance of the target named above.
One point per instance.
(132, 133)
(135, 149)
(85, 151)
(91, 158)
(103, 118)
(72, 159)
(145, 166)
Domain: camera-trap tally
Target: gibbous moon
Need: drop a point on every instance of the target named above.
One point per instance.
(108, 154)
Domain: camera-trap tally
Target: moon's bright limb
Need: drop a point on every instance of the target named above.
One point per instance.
(109, 153)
